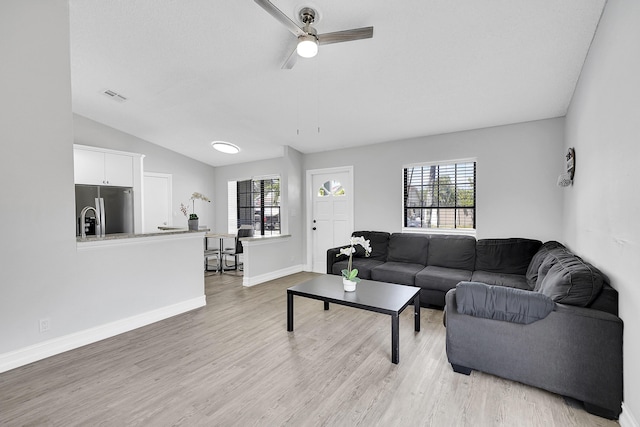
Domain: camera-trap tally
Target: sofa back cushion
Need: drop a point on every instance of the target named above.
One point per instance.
(567, 279)
(510, 256)
(379, 241)
(452, 251)
(607, 301)
(538, 259)
(550, 259)
(408, 247)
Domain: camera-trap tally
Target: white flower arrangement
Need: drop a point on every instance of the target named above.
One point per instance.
(349, 273)
(185, 209)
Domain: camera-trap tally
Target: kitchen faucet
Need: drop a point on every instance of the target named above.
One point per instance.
(83, 213)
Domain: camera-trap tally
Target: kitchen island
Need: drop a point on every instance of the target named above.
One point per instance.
(127, 281)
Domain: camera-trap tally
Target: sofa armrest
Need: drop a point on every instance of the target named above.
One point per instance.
(574, 351)
(502, 303)
(333, 256)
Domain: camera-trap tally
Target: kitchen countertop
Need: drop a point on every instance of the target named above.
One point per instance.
(119, 236)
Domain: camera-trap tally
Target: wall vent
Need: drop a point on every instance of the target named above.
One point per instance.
(114, 95)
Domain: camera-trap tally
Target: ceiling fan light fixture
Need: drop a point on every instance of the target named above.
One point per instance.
(307, 46)
(225, 147)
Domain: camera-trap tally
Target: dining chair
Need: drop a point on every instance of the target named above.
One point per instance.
(243, 231)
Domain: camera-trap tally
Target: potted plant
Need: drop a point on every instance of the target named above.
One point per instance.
(350, 275)
(193, 218)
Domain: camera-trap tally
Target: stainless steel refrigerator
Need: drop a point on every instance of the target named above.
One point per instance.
(118, 208)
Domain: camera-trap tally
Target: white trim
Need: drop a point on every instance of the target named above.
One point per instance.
(457, 231)
(232, 208)
(440, 162)
(264, 177)
(59, 345)
(272, 275)
(263, 240)
(106, 150)
(309, 200)
(627, 419)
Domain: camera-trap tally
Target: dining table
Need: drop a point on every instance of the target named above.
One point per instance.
(220, 250)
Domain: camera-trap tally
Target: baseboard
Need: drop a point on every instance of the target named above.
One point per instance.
(272, 275)
(627, 419)
(24, 356)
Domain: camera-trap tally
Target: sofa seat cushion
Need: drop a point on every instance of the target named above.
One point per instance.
(501, 279)
(379, 241)
(567, 279)
(502, 303)
(408, 247)
(364, 266)
(402, 273)
(509, 256)
(441, 278)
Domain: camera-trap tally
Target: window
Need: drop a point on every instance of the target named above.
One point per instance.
(440, 196)
(331, 188)
(257, 204)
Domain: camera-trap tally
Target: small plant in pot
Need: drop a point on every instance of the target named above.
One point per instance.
(193, 218)
(350, 275)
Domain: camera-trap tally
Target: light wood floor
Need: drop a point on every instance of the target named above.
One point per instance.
(232, 363)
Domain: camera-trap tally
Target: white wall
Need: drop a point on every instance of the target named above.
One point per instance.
(240, 172)
(189, 175)
(37, 255)
(269, 260)
(517, 169)
(602, 208)
(42, 272)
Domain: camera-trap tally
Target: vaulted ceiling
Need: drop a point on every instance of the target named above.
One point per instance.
(194, 71)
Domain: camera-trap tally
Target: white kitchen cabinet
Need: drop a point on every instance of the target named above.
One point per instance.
(102, 166)
(95, 167)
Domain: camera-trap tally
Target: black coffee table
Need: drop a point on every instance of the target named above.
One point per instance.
(380, 297)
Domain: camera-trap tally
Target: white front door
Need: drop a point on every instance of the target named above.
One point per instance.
(157, 201)
(331, 219)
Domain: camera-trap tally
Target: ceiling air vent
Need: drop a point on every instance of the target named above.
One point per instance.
(114, 95)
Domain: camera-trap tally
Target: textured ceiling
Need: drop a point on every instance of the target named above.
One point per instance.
(195, 71)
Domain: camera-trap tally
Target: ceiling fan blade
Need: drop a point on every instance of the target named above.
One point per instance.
(346, 35)
(280, 16)
(291, 60)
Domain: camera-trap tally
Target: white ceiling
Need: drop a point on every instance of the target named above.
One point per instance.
(195, 71)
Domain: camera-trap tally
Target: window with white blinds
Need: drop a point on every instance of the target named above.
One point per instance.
(254, 202)
(232, 209)
(440, 195)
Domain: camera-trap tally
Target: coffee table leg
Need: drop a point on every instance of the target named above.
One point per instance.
(326, 305)
(395, 338)
(416, 312)
(289, 311)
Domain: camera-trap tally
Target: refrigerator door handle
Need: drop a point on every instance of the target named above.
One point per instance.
(101, 216)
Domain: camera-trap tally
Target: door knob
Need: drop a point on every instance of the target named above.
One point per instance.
(314, 229)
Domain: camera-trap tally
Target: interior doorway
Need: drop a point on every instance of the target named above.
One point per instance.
(157, 201)
(330, 213)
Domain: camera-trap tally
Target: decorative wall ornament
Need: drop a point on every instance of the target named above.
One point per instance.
(566, 179)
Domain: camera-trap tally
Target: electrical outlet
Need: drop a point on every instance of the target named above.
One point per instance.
(45, 324)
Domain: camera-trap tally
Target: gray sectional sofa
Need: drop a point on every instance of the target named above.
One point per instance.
(436, 262)
(516, 308)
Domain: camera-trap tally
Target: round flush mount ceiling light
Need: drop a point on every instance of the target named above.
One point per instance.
(225, 147)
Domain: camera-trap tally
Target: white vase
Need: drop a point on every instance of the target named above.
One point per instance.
(349, 285)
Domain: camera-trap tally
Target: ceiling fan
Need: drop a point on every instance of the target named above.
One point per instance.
(308, 37)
